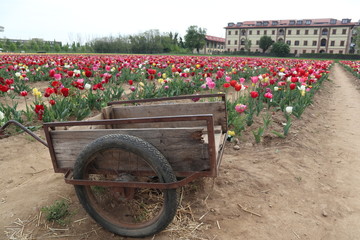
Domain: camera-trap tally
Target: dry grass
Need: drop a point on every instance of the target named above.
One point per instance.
(186, 225)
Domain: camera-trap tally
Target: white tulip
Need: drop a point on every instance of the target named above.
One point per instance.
(302, 88)
(87, 86)
(2, 115)
(289, 109)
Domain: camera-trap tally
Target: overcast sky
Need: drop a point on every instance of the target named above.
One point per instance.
(83, 20)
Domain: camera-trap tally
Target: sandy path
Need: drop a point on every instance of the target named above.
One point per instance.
(344, 119)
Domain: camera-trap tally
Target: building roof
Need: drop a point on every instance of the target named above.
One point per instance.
(215, 39)
(292, 23)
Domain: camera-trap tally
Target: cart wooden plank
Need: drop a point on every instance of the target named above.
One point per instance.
(218, 109)
(184, 148)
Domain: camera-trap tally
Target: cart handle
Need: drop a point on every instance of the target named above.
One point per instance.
(25, 129)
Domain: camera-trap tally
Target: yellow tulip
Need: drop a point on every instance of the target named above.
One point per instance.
(231, 133)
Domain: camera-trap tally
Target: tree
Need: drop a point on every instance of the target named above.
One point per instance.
(357, 40)
(247, 45)
(280, 49)
(265, 43)
(12, 47)
(195, 38)
(57, 47)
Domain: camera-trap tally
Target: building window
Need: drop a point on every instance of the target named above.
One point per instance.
(331, 51)
(289, 32)
(332, 43)
(296, 43)
(281, 32)
(257, 42)
(312, 51)
(292, 22)
(308, 22)
(265, 23)
(258, 32)
(342, 43)
(250, 32)
(344, 31)
(229, 33)
(332, 21)
(305, 43)
(304, 51)
(297, 32)
(242, 42)
(236, 32)
(340, 52)
(315, 32)
(314, 43)
(273, 32)
(323, 42)
(299, 22)
(265, 32)
(324, 31)
(334, 31)
(288, 42)
(235, 42)
(295, 52)
(229, 42)
(306, 32)
(274, 23)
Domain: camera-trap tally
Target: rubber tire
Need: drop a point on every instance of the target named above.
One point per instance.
(153, 157)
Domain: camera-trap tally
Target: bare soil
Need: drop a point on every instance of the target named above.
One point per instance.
(306, 186)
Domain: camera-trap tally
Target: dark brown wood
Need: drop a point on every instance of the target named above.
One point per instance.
(183, 132)
(174, 98)
(172, 109)
(184, 148)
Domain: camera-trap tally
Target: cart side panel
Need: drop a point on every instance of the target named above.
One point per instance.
(184, 148)
(218, 109)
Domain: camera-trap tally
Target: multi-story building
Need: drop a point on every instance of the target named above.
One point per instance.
(303, 36)
(213, 44)
(22, 41)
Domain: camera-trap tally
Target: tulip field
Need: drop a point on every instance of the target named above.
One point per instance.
(352, 66)
(78, 85)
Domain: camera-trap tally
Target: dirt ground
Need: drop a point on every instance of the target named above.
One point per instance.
(306, 186)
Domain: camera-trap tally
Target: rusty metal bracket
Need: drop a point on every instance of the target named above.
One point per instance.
(68, 177)
(25, 129)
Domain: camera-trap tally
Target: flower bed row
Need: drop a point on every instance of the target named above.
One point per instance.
(352, 66)
(80, 84)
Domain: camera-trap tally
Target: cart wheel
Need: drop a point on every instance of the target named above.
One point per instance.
(131, 212)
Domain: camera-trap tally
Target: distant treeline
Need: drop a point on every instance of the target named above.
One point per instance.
(148, 42)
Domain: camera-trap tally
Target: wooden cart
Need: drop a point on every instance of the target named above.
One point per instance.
(127, 162)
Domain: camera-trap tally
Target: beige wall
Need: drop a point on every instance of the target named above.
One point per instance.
(301, 38)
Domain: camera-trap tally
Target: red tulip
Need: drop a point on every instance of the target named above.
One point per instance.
(292, 86)
(226, 85)
(88, 73)
(24, 93)
(237, 87)
(233, 83)
(254, 94)
(65, 92)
